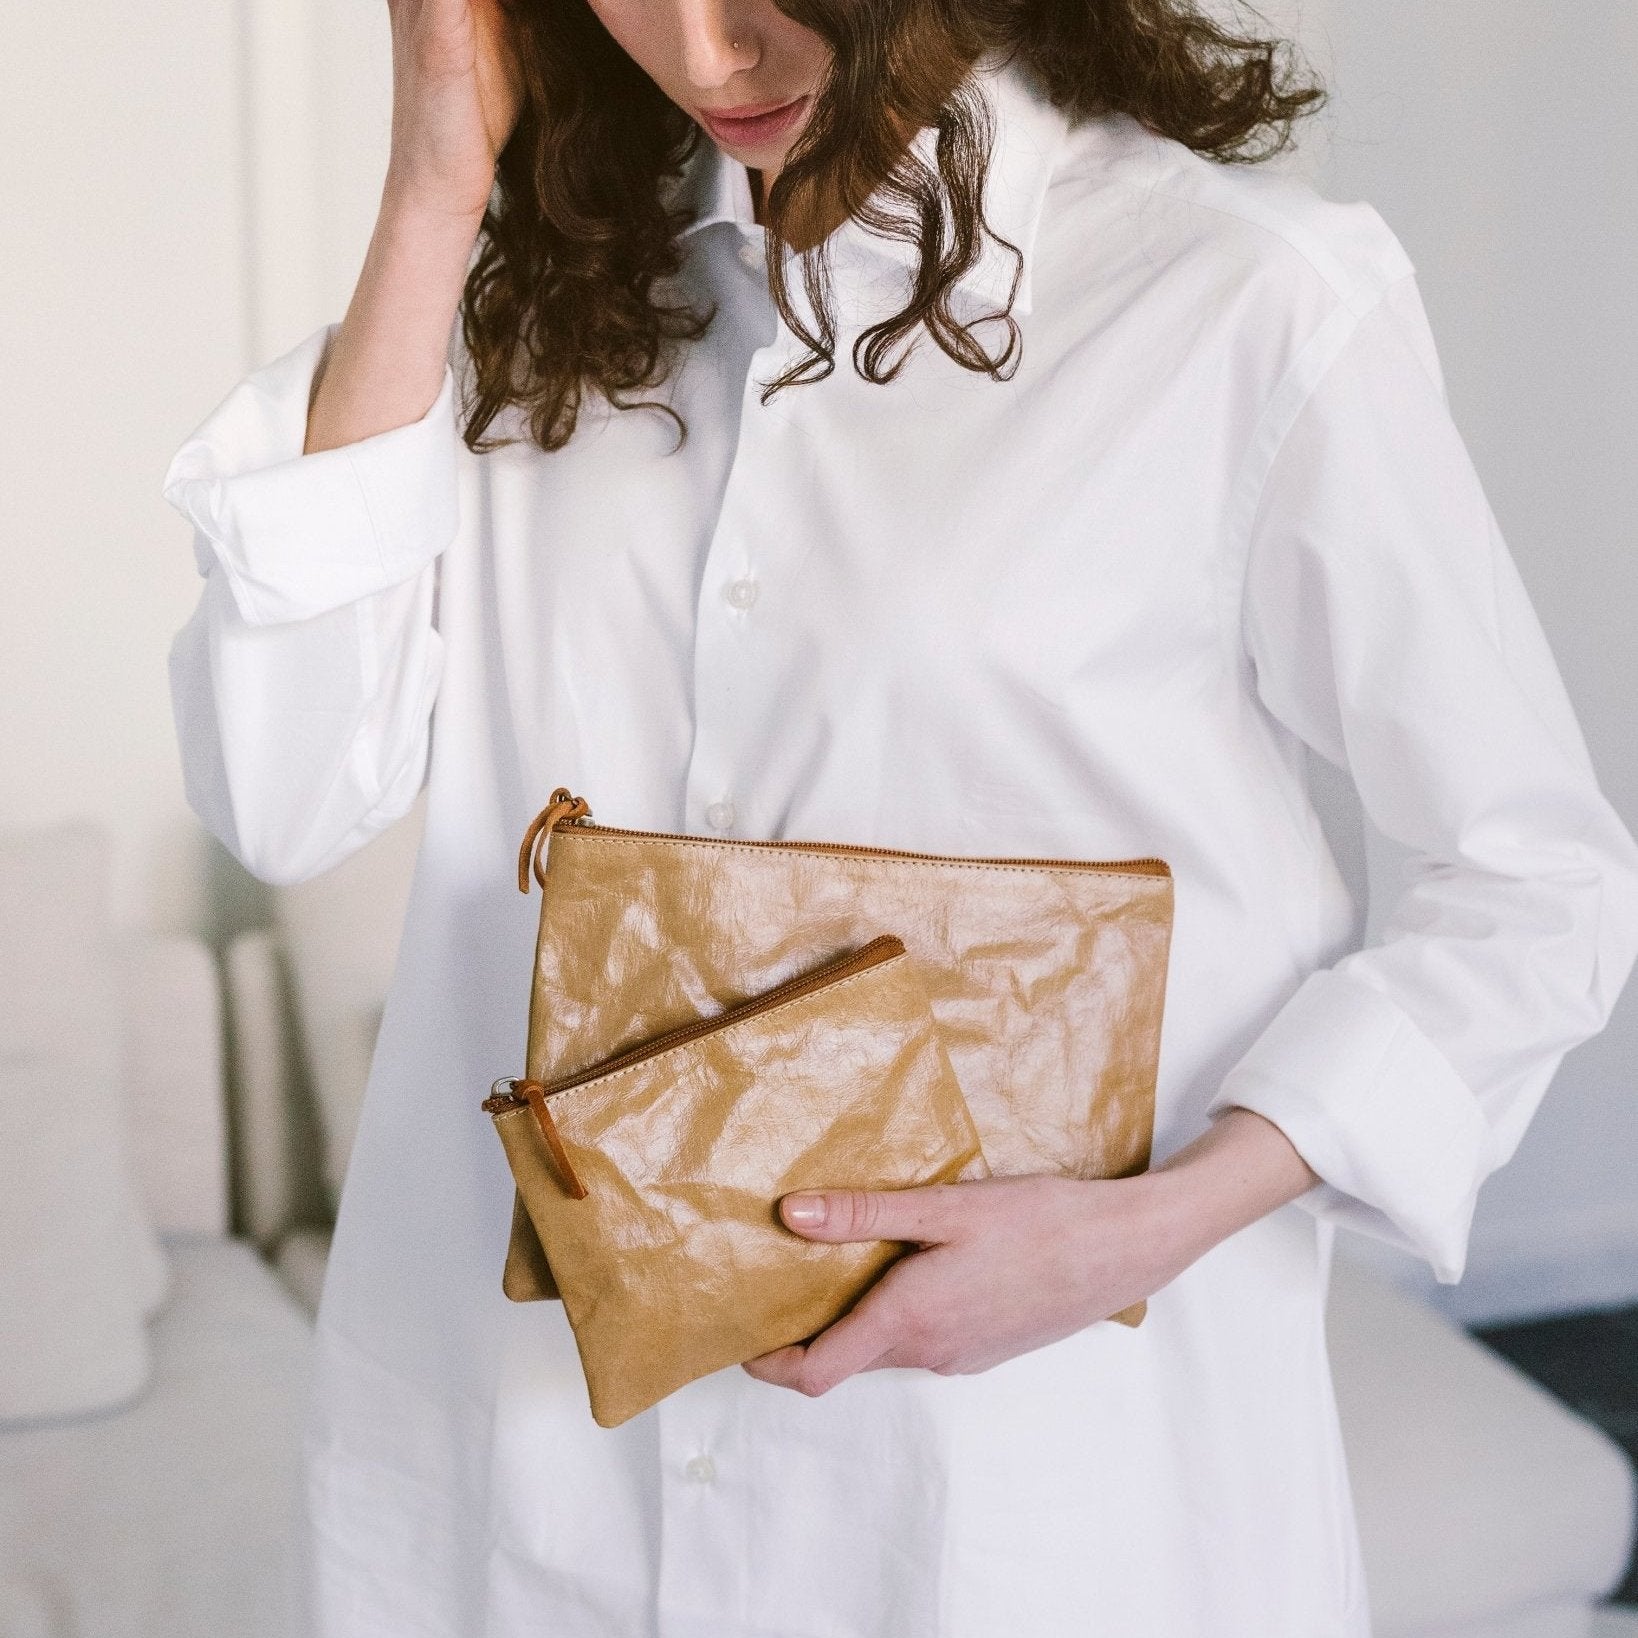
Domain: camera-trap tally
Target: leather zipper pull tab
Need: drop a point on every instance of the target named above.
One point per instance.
(536, 1094)
(563, 805)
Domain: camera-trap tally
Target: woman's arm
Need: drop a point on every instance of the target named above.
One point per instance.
(302, 685)
(1387, 629)
(323, 489)
(456, 99)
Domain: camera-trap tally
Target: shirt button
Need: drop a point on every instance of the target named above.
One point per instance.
(752, 254)
(720, 816)
(741, 594)
(701, 1469)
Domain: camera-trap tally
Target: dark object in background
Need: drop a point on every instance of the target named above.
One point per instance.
(1590, 1361)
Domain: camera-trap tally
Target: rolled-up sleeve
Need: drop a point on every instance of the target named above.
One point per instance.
(1389, 630)
(303, 685)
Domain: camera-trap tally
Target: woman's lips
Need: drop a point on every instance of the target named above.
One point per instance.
(753, 125)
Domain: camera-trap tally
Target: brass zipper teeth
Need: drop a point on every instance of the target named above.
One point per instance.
(861, 960)
(1118, 867)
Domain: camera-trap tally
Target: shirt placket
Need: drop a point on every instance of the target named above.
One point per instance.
(738, 592)
(705, 1500)
(706, 1485)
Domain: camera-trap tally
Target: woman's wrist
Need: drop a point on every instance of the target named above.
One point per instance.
(1238, 1170)
(403, 196)
(386, 365)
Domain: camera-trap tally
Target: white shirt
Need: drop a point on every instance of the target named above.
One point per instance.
(1219, 514)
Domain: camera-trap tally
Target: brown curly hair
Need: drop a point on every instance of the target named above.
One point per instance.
(567, 294)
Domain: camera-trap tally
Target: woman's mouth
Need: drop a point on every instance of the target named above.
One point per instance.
(752, 124)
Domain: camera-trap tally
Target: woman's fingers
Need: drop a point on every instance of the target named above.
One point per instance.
(863, 1339)
(925, 1215)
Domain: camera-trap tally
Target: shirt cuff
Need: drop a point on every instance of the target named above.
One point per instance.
(1398, 1139)
(297, 534)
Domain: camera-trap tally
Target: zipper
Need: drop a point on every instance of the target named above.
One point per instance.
(873, 954)
(565, 811)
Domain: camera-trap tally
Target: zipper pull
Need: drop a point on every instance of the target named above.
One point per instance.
(533, 1093)
(562, 807)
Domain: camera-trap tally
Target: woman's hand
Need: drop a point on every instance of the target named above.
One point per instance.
(1007, 1264)
(1010, 1264)
(456, 96)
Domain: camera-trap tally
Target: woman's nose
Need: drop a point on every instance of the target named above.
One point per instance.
(718, 42)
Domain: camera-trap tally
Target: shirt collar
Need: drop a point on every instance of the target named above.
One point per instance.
(1029, 136)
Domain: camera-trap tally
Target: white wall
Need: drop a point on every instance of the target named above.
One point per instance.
(322, 86)
(121, 321)
(188, 190)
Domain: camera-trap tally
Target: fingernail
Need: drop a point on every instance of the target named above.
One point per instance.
(804, 1210)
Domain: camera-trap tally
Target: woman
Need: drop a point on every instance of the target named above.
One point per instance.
(1013, 478)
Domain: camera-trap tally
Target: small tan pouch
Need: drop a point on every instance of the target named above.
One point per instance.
(653, 1179)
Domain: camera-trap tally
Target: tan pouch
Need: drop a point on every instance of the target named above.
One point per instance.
(1046, 977)
(652, 1180)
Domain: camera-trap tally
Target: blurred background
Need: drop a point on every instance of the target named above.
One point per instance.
(187, 192)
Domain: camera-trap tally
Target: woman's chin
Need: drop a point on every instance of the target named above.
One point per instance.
(768, 159)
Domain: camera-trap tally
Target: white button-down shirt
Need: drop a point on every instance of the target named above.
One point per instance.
(1218, 517)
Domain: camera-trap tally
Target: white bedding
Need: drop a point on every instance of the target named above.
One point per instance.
(170, 1519)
